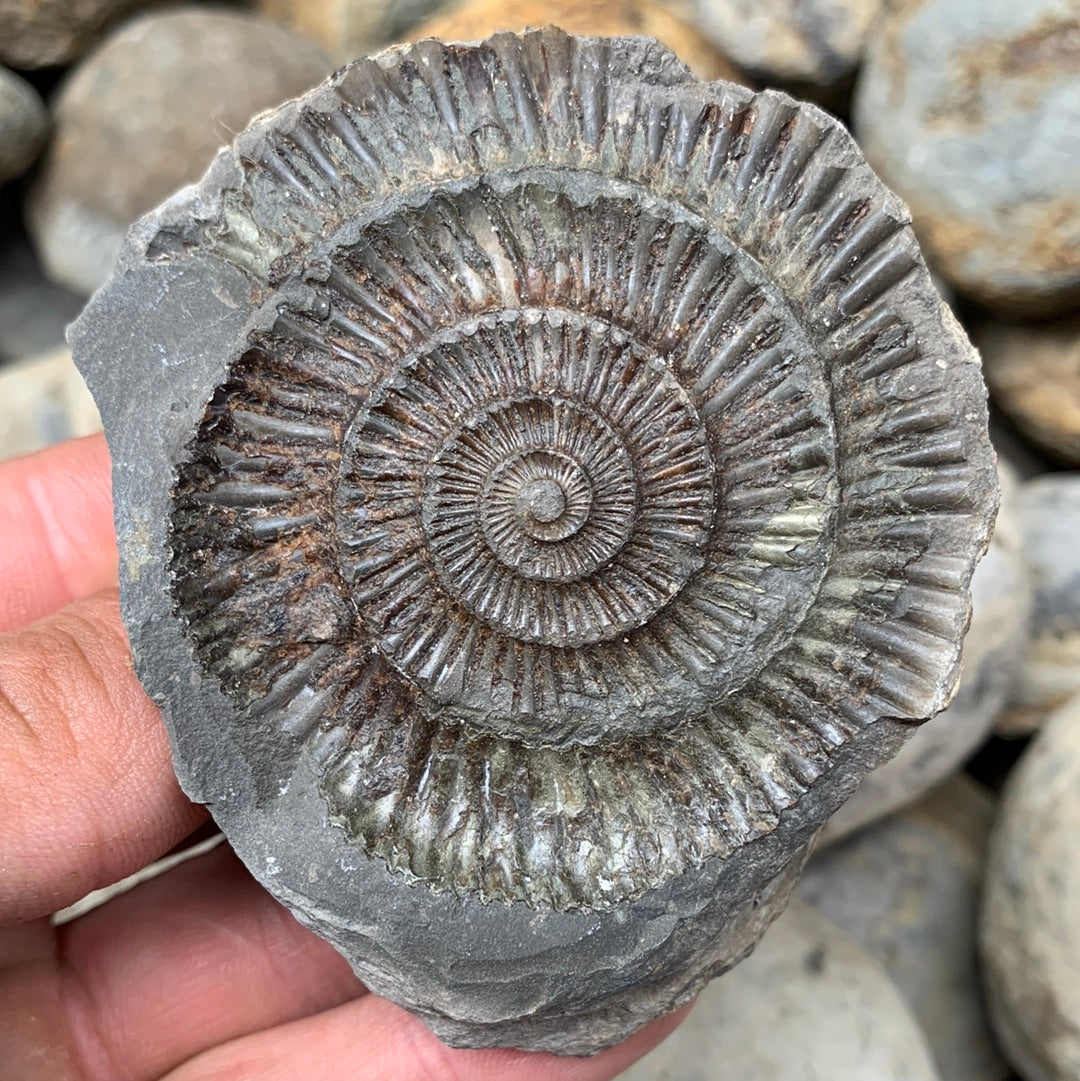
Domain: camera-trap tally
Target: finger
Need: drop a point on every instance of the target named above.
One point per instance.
(57, 542)
(192, 959)
(373, 1040)
(87, 791)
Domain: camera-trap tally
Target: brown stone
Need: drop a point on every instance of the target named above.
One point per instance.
(1033, 371)
(40, 33)
(476, 19)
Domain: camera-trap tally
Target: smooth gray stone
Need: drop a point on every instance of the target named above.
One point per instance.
(970, 110)
(143, 115)
(1049, 672)
(533, 819)
(34, 311)
(907, 890)
(814, 42)
(347, 29)
(43, 400)
(1030, 927)
(808, 1003)
(994, 650)
(24, 122)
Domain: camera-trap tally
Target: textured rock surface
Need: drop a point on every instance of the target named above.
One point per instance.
(1030, 927)
(1001, 603)
(348, 28)
(43, 400)
(951, 94)
(819, 42)
(1033, 371)
(40, 33)
(23, 123)
(143, 115)
(808, 1003)
(539, 505)
(472, 20)
(907, 890)
(1049, 673)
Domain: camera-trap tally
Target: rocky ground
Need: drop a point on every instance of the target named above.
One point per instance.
(937, 935)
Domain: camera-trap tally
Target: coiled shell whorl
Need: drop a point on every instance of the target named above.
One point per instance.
(571, 469)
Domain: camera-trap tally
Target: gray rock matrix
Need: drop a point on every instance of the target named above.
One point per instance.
(545, 484)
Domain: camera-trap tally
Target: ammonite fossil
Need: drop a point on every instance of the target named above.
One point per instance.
(545, 484)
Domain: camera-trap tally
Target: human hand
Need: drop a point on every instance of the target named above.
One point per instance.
(198, 974)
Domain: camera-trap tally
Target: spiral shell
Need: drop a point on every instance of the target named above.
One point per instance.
(591, 465)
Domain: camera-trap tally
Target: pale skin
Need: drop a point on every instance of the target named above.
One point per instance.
(197, 975)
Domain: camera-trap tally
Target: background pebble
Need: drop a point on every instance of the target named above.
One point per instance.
(143, 115)
(43, 400)
(807, 1003)
(814, 42)
(907, 890)
(33, 310)
(348, 28)
(39, 33)
(23, 124)
(1049, 672)
(1030, 927)
(970, 110)
(1033, 371)
(475, 19)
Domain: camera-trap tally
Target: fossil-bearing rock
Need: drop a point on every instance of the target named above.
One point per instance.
(545, 484)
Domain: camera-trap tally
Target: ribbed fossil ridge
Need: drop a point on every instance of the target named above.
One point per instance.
(586, 480)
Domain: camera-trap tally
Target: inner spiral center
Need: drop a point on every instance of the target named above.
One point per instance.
(543, 500)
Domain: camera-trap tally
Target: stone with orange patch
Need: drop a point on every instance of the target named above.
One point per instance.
(968, 109)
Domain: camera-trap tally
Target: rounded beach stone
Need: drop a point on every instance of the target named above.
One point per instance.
(907, 891)
(808, 1002)
(818, 43)
(143, 115)
(23, 124)
(347, 29)
(43, 400)
(41, 33)
(1033, 371)
(1001, 604)
(471, 20)
(34, 311)
(951, 93)
(547, 482)
(1049, 672)
(1030, 926)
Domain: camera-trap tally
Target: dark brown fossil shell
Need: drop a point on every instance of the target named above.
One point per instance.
(571, 484)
